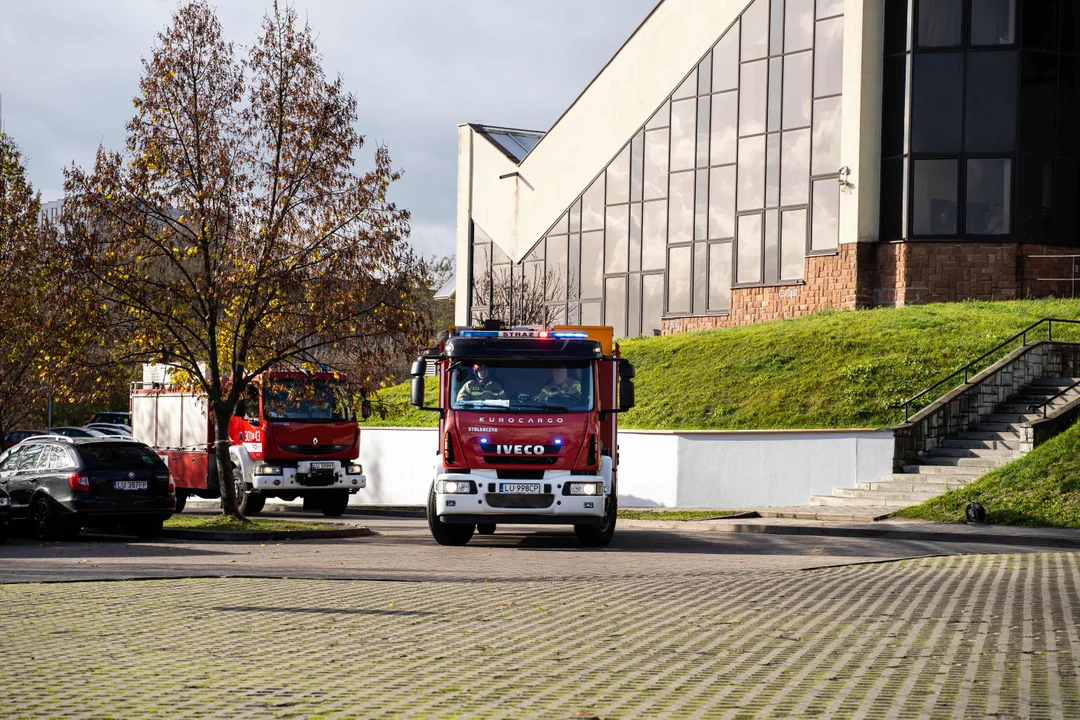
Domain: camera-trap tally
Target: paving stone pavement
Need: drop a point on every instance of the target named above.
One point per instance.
(950, 637)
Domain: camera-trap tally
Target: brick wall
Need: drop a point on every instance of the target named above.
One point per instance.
(900, 273)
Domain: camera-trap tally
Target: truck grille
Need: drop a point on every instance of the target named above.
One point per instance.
(523, 502)
(519, 460)
(314, 449)
(520, 474)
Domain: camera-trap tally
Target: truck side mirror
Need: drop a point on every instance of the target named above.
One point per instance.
(365, 409)
(417, 394)
(626, 370)
(626, 395)
(418, 369)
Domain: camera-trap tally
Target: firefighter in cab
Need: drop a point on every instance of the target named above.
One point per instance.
(481, 387)
(561, 384)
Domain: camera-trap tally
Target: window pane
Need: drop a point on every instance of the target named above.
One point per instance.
(637, 162)
(654, 235)
(704, 76)
(894, 119)
(592, 206)
(652, 304)
(753, 97)
(688, 87)
(1068, 107)
(776, 91)
(679, 280)
(1066, 199)
(616, 237)
(592, 313)
(725, 68)
(799, 25)
(792, 244)
(618, 178)
(991, 102)
(755, 30)
(989, 197)
(555, 267)
(772, 246)
(828, 8)
(635, 237)
(748, 261)
(993, 22)
(701, 277)
(703, 131)
(722, 202)
(829, 57)
(615, 305)
(592, 264)
(481, 275)
(1040, 24)
(825, 232)
(633, 318)
(772, 170)
(795, 171)
(556, 314)
(892, 198)
(798, 72)
(575, 217)
(662, 118)
(1034, 196)
(560, 227)
(656, 164)
(683, 134)
(720, 277)
(701, 206)
(752, 173)
(826, 150)
(776, 28)
(896, 26)
(935, 197)
(573, 277)
(939, 22)
(1038, 100)
(723, 145)
(936, 102)
(681, 208)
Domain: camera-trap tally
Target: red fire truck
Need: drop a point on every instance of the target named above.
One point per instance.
(528, 429)
(293, 435)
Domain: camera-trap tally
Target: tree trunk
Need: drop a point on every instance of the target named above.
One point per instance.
(226, 481)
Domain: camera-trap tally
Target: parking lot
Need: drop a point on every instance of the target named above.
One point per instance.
(526, 624)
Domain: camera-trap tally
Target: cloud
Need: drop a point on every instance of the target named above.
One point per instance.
(68, 71)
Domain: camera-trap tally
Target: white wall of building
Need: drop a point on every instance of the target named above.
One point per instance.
(668, 468)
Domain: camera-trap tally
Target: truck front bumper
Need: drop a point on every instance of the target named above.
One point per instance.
(302, 478)
(487, 504)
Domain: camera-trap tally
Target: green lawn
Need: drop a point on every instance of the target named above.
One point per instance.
(221, 523)
(1040, 489)
(828, 370)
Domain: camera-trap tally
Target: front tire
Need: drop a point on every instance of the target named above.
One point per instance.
(446, 533)
(599, 534)
(247, 502)
(334, 502)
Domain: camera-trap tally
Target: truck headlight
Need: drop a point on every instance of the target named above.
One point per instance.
(267, 470)
(588, 488)
(355, 469)
(457, 487)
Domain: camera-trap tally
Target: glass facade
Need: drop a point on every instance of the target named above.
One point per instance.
(979, 108)
(731, 183)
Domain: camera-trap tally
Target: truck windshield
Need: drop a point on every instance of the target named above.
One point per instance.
(305, 400)
(542, 388)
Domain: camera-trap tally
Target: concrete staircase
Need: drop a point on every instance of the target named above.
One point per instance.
(967, 456)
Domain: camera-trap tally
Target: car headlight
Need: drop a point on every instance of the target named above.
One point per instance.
(267, 470)
(356, 469)
(588, 488)
(456, 487)
(5, 501)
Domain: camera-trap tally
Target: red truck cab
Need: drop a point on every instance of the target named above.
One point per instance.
(528, 430)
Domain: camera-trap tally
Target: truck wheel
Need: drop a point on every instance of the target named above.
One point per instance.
(600, 533)
(333, 503)
(253, 503)
(446, 533)
(486, 528)
(181, 501)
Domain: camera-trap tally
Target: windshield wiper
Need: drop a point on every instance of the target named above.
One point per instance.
(545, 408)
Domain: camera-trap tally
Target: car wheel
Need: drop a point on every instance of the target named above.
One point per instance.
(46, 521)
(148, 529)
(334, 502)
(181, 501)
(600, 533)
(447, 533)
(486, 528)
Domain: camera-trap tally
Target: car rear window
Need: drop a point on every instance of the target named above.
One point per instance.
(103, 456)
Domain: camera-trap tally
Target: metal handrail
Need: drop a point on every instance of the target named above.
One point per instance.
(1054, 397)
(1022, 335)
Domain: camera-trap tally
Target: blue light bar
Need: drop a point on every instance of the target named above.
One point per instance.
(568, 334)
(479, 333)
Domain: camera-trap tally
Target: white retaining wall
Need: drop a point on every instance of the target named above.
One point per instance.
(668, 468)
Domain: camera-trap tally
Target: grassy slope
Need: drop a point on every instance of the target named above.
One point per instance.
(1040, 489)
(829, 370)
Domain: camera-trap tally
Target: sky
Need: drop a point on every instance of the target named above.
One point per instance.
(419, 68)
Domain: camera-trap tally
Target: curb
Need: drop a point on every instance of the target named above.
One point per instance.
(220, 536)
(860, 532)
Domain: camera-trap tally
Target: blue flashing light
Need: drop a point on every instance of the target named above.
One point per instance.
(569, 334)
(558, 441)
(483, 441)
(479, 333)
